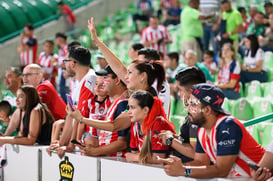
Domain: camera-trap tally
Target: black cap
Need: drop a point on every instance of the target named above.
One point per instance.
(210, 95)
(268, 4)
(81, 55)
(105, 71)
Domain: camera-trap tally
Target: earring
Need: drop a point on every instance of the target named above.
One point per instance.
(141, 81)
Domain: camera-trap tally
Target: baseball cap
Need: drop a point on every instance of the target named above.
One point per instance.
(99, 55)
(81, 55)
(210, 95)
(107, 70)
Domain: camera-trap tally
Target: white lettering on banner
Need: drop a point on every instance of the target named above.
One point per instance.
(227, 142)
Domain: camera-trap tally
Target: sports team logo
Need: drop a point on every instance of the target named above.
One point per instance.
(66, 170)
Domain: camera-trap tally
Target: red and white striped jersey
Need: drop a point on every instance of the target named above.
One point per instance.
(96, 110)
(29, 56)
(229, 137)
(47, 64)
(107, 137)
(149, 34)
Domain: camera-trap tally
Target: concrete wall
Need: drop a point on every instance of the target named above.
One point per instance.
(97, 9)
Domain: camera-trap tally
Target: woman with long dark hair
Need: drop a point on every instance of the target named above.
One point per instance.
(35, 123)
(253, 68)
(148, 119)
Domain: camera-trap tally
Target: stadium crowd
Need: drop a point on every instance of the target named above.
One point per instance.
(123, 111)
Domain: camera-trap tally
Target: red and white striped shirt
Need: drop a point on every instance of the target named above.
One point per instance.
(149, 34)
(47, 64)
(29, 56)
(229, 137)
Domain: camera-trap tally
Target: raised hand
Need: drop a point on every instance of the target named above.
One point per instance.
(92, 29)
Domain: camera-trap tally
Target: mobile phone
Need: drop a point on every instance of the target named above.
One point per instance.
(156, 132)
(160, 41)
(76, 142)
(254, 166)
(69, 101)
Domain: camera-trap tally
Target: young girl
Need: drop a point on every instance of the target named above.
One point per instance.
(35, 124)
(148, 119)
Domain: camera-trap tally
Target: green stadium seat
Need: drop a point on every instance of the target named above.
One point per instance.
(7, 24)
(268, 89)
(267, 136)
(226, 105)
(31, 12)
(44, 9)
(253, 89)
(269, 73)
(255, 133)
(17, 14)
(180, 110)
(242, 94)
(242, 109)
(268, 59)
(262, 107)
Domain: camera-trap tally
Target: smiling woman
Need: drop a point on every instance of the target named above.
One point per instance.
(35, 124)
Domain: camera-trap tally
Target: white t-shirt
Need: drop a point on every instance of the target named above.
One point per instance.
(251, 62)
(270, 147)
(164, 95)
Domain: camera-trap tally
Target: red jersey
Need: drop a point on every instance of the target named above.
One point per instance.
(29, 56)
(71, 19)
(149, 34)
(47, 64)
(136, 140)
(107, 137)
(96, 110)
(49, 95)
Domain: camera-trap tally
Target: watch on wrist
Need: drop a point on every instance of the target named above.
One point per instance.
(169, 141)
(187, 171)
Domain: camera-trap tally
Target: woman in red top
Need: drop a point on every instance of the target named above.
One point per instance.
(148, 119)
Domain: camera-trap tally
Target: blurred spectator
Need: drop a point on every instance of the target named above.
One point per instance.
(173, 13)
(101, 60)
(173, 66)
(266, 41)
(145, 10)
(243, 13)
(190, 59)
(254, 57)
(257, 26)
(5, 113)
(156, 36)
(192, 28)
(28, 46)
(230, 26)
(209, 63)
(133, 51)
(207, 8)
(252, 10)
(268, 7)
(229, 73)
(13, 80)
(163, 8)
(61, 42)
(48, 60)
(69, 16)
